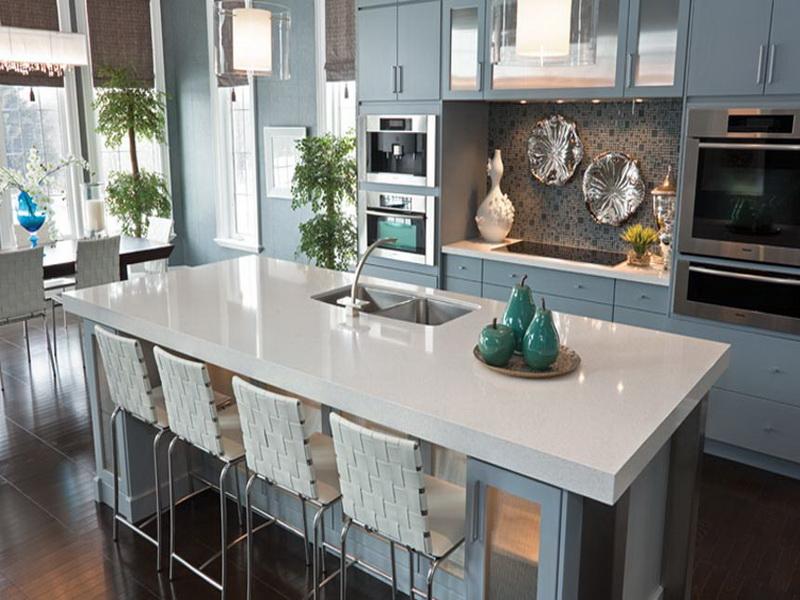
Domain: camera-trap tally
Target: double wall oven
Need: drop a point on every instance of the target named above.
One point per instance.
(740, 201)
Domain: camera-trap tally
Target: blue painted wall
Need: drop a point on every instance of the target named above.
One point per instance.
(192, 159)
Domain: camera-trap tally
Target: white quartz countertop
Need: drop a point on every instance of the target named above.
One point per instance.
(480, 249)
(591, 432)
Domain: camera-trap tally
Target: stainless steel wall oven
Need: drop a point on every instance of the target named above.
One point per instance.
(741, 185)
(409, 218)
(397, 149)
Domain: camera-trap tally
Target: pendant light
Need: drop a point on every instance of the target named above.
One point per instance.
(25, 50)
(543, 28)
(252, 41)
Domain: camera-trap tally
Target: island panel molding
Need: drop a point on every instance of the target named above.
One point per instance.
(591, 433)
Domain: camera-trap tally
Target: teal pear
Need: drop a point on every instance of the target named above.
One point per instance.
(541, 345)
(519, 312)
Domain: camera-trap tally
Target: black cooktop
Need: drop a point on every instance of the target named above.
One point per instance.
(599, 257)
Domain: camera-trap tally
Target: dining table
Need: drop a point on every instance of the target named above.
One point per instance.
(59, 257)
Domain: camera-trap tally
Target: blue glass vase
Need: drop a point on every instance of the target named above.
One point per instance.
(30, 217)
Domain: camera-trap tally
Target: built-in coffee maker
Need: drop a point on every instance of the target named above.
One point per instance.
(397, 149)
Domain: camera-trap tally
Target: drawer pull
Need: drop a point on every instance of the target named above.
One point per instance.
(462, 268)
(644, 297)
(578, 286)
(769, 429)
(775, 370)
(513, 275)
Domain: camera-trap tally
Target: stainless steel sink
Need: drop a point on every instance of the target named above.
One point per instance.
(399, 306)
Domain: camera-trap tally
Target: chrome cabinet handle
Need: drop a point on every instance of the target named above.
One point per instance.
(480, 75)
(462, 268)
(760, 71)
(746, 146)
(578, 286)
(644, 297)
(476, 511)
(771, 64)
(513, 275)
(769, 429)
(394, 79)
(629, 70)
(399, 79)
(775, 370)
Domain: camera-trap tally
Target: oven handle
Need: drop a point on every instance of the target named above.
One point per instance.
(745, 276)
(402, 215)
(734, 146)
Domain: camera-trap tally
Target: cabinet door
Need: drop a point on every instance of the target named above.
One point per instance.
(556, 50)
(463, 48)
(377, 53)
(783, 72)
(512, 537)
(418, 46)
(657, 38)
(728, 47)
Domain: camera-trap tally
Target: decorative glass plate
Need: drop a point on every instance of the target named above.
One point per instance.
(568, 360)
(554, 150)
(613, 188)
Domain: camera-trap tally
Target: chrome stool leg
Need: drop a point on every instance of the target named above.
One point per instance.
(27, 339)
(410, 573)
(223, 505)
(238, 497)
(249, 520)
(394, 570)
(115, 469)
(429, 580)
(157, 477)
(343, 560)
(305, 530)
(170, 453)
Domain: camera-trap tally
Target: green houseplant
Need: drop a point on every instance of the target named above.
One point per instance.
(325, 180)
(640, 239)
(127, 110)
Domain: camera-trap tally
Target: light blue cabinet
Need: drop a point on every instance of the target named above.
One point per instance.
(641, 296)
(551, 281)
(462, 286)
(463, 267)
(783, 72)
(420, 279)
(398, 49)
(744, 47)
(376, 64)
(463, 49)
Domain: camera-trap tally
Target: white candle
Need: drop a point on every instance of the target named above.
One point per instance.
(95, 215)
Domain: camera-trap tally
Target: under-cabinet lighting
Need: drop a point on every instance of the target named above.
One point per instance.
(523, 101)
(595, 100)
(543, 28)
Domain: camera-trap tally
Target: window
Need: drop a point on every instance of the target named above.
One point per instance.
(39, 122)
(340, 107)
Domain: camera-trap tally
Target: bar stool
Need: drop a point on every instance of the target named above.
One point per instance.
(196, 420)
(385, 492)
(283, 453)
(132, 393)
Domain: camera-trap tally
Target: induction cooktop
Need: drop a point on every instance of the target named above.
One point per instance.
(599, 257)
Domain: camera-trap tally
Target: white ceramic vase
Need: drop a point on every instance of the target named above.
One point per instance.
(496, 213)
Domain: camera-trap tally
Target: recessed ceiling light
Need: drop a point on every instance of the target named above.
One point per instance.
(595, 100)
(639, 100)
(560, 101)
(523, 101)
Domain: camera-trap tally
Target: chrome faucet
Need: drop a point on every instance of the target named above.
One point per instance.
(353, 303)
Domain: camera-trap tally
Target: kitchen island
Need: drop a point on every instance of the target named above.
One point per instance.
(607, 457)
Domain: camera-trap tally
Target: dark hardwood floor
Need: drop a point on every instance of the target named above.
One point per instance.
(55, 542)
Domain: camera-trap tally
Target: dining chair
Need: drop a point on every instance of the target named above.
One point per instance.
(159, 230)
(96, 263)
(386, 493)
(22, 294)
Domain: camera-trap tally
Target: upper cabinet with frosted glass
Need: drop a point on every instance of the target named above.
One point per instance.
(547, 49)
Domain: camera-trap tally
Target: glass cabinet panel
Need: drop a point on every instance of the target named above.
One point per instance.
(654, 49)
(464, 67)
(549, 44)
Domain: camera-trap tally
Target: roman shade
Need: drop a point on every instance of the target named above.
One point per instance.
(340, 40)
(120, 37)
(32, 14)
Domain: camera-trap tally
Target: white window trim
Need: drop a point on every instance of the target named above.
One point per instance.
(87, 87)
(224, 197)
(319, 45)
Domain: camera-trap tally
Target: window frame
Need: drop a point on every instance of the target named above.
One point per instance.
(93, 145)
(225, 204)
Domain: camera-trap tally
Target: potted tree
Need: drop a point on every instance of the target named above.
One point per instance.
(126, 110)
(325, 180)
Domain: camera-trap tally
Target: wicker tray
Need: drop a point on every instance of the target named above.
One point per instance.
(568, 360)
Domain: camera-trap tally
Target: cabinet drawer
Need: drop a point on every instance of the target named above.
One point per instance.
(463, 267)
(641, 318)
(402, 276)
(495, 292)
(462, 286)
(572, 306)
(549, 281)
(754, 423)
(761, 365)
(641, 296)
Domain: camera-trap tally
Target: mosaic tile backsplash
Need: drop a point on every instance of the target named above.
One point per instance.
(649, 132)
